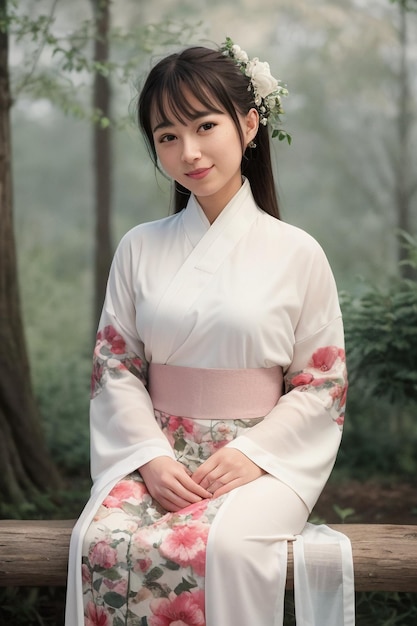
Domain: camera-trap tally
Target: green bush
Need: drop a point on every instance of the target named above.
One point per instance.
(62, 392)
(381, 351)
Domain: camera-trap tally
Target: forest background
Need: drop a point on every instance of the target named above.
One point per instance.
(349, 178)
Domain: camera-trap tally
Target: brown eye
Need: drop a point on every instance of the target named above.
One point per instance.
(166, 138)
(207, 126)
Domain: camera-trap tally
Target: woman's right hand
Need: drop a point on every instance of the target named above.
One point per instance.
(169, 484)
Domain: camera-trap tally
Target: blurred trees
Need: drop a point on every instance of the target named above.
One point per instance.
(351, 70)
(63, 68)
(102, 155)
(405, 173)
(25, 465)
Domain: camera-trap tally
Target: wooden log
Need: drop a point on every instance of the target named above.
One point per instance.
(35, 553)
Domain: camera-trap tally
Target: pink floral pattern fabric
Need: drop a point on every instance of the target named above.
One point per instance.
(141, 565)
(326, 376)
(111, 358)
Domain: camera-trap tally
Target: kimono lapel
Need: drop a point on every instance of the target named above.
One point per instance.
(212, 245)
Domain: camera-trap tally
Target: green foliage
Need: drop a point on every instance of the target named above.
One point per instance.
(379, 440)
(373, 609)
(60, 68)
(409, 243)
(386, 609)
(63, 396)
(381, 338)
(380, 435)
(343, 514)
(409, 5)
(20, 606)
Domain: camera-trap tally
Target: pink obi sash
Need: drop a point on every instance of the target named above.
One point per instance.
(201, 393)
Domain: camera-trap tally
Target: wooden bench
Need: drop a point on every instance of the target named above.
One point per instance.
(35, 554)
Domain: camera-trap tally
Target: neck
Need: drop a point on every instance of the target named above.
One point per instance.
(213, 205)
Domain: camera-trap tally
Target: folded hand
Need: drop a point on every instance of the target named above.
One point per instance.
(170, 484)
(224, 470)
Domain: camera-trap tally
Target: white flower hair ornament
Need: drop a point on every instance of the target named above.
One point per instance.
(267, 90)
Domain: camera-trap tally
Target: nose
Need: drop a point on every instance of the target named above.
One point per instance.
(190, 149)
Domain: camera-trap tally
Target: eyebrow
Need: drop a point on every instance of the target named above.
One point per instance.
(196, 116)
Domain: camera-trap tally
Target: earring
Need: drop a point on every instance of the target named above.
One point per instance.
(251, 144)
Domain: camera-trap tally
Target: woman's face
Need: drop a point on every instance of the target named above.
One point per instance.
(204, 154)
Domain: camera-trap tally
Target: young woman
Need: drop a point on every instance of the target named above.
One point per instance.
(219, 376)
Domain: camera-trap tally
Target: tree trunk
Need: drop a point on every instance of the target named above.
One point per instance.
(102, 148)
(403, 193)
(24, 463)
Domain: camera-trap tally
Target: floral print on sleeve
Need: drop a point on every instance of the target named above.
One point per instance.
(112, 358)
(325, 375)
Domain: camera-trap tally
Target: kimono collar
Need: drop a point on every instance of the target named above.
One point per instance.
(196, 223)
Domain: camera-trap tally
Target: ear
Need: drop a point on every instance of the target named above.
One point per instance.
(251, 125)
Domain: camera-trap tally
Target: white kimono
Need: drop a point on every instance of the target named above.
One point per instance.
(247, 292)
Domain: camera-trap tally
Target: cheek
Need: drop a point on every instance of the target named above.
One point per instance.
(165, 159)
(232, 148)
(232, 138)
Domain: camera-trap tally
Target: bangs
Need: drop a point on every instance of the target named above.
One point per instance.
(172, 98)
(206, 77)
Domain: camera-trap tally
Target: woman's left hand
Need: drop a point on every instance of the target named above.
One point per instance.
(226, 469)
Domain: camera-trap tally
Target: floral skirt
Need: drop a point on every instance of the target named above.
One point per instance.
(141, 565)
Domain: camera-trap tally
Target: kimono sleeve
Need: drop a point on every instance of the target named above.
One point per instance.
(298, 440)
(123, 430)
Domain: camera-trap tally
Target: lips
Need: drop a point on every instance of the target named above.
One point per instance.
(199, 173)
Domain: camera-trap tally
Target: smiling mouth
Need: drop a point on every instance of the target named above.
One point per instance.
(200, 173)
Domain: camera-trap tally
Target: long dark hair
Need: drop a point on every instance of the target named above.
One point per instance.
(219, 85)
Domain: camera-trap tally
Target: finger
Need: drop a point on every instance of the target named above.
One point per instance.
(173, 503)
(184, 487)
(192, 487)
(178, 481)
(228, 487)
(219, 477)
(204, 469)
(176, 495)
(225, 479)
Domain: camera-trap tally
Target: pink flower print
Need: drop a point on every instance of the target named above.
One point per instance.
(85, 573)
(304, 378)
(186, 545)
(196, 510)
(116, 341)
(336, 392)
(340, 420)
(318, 382)
(175, 423)
(125, 490)
(96, 375)
(187, 609)
(198, 562)
(103, 555)
(136, 364)
(142, 565)
(324, 358)
(219, 444)
(223, 429)
(342, 401)
(119, 586)
(96, 615)
(339, 392)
